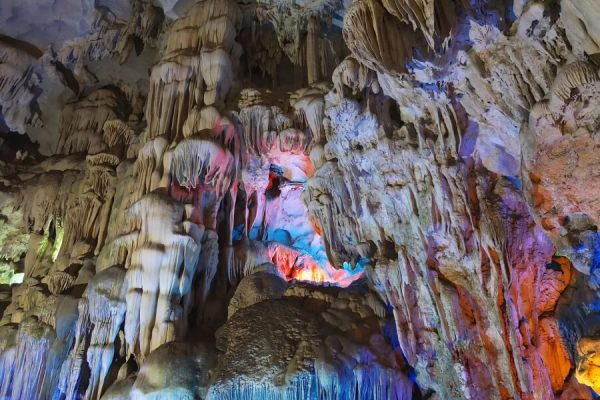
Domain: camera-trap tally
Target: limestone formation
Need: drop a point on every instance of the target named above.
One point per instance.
(274, 199)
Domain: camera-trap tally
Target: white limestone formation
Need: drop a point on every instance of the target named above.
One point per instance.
(325, 199)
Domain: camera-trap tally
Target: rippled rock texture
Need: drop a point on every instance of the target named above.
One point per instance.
(273, 199)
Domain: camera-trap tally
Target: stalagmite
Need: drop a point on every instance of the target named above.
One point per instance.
(255, 288)
(367, 375)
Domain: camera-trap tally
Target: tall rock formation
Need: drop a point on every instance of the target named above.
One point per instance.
(272, 199)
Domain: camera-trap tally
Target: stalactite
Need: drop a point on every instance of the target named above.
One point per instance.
(116, 132)
(312, 51)
(75, 366)
(182, 81)
(33, 339)
(200, 160)
(376, 39)
(82, 122)
(148, 166)
(164, 261)
(106, 304)
(309, 107)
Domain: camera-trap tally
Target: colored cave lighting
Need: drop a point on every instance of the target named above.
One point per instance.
(305, 260)
(316, 273)
(298, 264)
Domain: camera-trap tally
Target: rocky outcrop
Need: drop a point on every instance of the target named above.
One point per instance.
(321, 344)
(371, 199)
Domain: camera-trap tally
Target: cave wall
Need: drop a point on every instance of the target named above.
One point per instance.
(371, 199)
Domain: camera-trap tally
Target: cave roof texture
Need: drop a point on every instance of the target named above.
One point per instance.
(299, 199)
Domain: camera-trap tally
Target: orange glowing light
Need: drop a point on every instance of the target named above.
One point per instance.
(294, 264)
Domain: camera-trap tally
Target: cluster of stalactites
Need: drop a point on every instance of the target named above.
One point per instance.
(433, 18)
(278, 146)
(105, 297)
(183, 171)
(71, 205)
(442, 215)
(261, 123)
(386, 34)
(200, 160)
(196, 68)
(95, 123)
(302, 33)
(562, 130)
(268, 130)
(309, 108)
(193, 154)
(205, 167)
(377, 38)
(67, 203)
